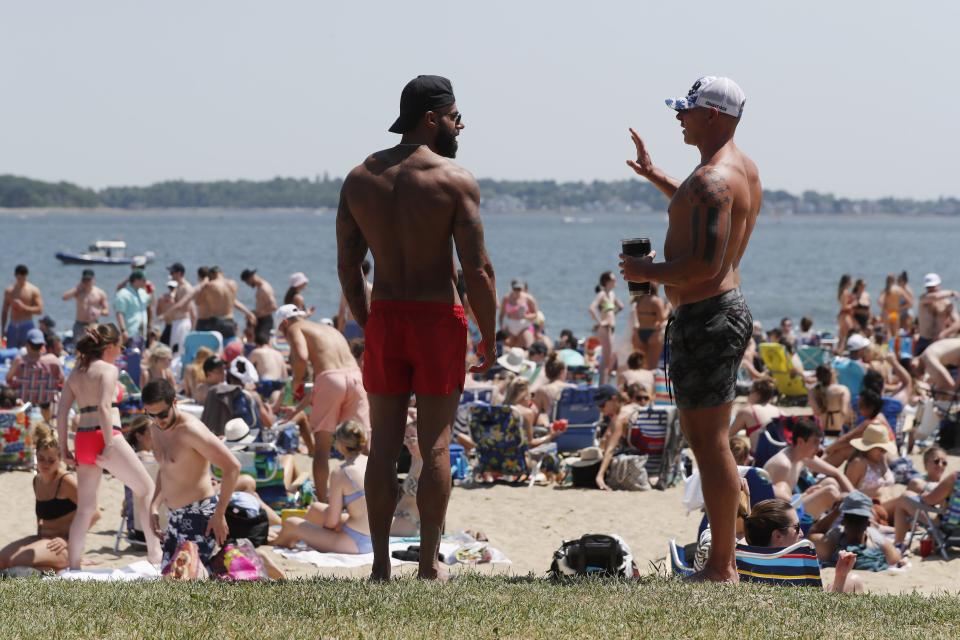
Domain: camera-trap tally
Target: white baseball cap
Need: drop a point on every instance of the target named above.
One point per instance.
(856, 342)
(723, 94)
(931, 280)
(286, 312)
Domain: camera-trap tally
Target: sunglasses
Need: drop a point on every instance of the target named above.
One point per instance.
(161, 415)
(796, 528)
(940, 461)
(456, 115)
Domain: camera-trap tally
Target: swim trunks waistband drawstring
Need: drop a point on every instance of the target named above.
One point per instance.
(666, 357)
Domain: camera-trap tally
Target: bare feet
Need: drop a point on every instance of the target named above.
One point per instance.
(729, 576)
(438, 572)
(380, 573)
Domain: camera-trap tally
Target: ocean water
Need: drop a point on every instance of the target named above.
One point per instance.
(791, 268)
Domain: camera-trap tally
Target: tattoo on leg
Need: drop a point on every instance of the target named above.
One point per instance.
(712, 234)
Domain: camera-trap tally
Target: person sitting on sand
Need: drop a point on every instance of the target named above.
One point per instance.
(548, 395)
(830, 401)
(868, 470)
(636, 374)
(869, 406)
(55, 489)
(758, 412)
(406, 517)
(775, 524)
(158, 366)
(325, 528)
(617, 411)
(855, 534)
(785, 468)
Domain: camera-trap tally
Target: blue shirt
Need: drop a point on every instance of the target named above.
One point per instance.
(132, 304)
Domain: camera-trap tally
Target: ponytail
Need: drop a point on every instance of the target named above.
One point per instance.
(93, 343)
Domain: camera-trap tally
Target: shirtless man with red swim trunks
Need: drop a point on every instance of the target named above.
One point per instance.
(404, 204)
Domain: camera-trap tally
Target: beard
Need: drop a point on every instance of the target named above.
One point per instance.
(446, 144)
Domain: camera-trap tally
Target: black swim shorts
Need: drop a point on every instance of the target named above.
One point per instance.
(706, 341)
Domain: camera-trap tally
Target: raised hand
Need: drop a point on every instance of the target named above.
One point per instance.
(643, 165)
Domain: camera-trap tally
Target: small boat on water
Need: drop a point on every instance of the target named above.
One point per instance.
(104, 252)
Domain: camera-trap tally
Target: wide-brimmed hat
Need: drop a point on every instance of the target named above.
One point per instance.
(857, 504)
(875, 436)
(514, 360)
(586, 457)
(238, 434)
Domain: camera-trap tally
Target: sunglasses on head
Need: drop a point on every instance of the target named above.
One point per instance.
(162, 415)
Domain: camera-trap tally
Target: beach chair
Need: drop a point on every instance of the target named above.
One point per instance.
(576, 405)
(813, 357)
(501, 446)
(661, 388)
(791, 387)
(760, 485)
(850, 374)
(476, 395)
(774, 437)
(793, 566)
(128, 524)
(196, 339)
(941, 525)
(655, 432)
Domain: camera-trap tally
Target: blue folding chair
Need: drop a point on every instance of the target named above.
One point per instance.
(577, 406)
(476, 395)
(210, 339)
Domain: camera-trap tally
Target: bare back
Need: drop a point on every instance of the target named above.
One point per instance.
(404, 201)
(713, 213)
(90, 387)
(269, 363)
(215, 298)
(326, 347)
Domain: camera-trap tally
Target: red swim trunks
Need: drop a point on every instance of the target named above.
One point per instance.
(414, 346)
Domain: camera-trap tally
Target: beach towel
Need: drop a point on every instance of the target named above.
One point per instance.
(16, 443)
(455, 549)
(140, 570)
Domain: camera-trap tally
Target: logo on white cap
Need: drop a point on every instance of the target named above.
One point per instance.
(722, 94)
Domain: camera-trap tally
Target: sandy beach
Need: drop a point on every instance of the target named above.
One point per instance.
(527, 524)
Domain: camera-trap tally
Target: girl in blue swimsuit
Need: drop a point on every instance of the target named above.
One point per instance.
(340, 526)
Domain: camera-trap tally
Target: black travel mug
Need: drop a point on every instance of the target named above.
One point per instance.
(637, 248)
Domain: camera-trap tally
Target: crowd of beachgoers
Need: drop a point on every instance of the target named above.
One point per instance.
(285, 380)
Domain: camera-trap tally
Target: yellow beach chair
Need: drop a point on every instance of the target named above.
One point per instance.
(780, 367)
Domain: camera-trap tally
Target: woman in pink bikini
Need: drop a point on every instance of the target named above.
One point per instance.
(99, 444)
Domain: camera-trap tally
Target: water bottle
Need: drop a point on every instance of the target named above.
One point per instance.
(307, 493)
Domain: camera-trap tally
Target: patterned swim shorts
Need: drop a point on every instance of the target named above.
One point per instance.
(189, 523)
(707, 340)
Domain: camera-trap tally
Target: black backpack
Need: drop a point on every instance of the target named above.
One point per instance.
(593, 555)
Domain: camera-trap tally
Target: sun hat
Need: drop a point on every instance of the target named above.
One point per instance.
(586, 457)
(244, 371)
(856, 342)
(875, 436)
(931, 280)
(857, 504)
(286, 312)
(422, 94)
(238, 434)
(298, 278)
(515, 360)
(723, 94)
(35, 337)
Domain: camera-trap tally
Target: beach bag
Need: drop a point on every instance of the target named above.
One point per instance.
(247, 521)
(239, 561)
(593, 555)
(628, 473)
(185, 563)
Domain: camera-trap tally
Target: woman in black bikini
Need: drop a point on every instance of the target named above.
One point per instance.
(861, 309)
(651, 314)
(56, 491)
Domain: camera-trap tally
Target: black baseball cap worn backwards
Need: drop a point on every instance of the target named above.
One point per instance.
(422, 94)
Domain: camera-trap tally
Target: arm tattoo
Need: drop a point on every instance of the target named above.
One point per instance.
(710, 193)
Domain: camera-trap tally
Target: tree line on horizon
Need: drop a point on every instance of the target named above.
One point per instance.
(498, 195)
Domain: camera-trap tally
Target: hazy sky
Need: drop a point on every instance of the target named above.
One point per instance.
(855, 98)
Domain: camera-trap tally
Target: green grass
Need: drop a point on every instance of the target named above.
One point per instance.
(470, 608)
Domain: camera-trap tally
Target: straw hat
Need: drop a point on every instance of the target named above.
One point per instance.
(874, 436)
(587, 457)
(238, 434)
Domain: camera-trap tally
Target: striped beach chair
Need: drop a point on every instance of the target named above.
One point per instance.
(793, 566)
(655, 432)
